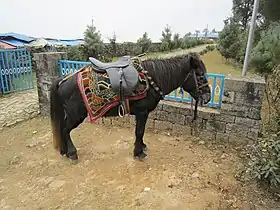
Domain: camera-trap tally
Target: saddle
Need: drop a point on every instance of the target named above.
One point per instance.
(122, 74)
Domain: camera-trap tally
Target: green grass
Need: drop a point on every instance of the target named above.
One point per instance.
(216, 64)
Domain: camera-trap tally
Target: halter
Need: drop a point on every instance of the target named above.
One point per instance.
(198, 86)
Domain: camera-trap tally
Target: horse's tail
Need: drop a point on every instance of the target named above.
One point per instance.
(57, 115)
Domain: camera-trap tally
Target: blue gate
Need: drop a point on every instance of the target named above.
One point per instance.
(15, 70)
(216, 83)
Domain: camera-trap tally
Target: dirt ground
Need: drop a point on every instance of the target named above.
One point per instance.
(177, 174)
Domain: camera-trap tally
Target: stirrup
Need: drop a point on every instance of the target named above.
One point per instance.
(119, 110)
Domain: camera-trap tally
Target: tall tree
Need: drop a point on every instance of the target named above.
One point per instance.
(271, 10)
(144, 43)
(177, 41)
(205, 31)
(242, 11)
(229, 40)
(166, 41)
(113, 43)
(93, 41)
(187, 35)
(197, 33)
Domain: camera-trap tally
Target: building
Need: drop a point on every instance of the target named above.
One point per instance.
(14, 40)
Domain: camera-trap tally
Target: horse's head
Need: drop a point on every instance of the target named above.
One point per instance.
(196, 83)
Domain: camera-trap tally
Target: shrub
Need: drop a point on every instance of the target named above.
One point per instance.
(266, 55)
(210, 48)
(265, 161)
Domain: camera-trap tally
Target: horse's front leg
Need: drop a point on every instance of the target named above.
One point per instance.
(141, 119)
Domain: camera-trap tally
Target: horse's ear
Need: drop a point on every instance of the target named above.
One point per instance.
(193, 61)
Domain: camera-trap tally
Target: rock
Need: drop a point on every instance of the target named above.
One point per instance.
(15, 160)
(121, 188)
(201, 142)
(57, 207)
(147, 189)
(174, 182)
(56, 184)
(195, 175)
(224, 155)
(34, 132)
(34, 144)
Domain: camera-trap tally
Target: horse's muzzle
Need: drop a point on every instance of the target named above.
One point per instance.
(205, 98)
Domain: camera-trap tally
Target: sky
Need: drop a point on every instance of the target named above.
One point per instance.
(129, 19)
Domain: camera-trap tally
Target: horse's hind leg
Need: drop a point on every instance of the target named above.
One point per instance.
(75, 114)
(72, 123)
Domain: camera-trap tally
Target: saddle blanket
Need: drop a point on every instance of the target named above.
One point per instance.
(98, 94)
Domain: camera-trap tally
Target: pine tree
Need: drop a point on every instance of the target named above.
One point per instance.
(144, 43)
(93, 41)
(166, 41)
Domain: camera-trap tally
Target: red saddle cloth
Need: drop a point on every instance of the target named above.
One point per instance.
(98, 95)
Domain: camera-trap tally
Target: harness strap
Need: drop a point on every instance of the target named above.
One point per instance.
(124, 103)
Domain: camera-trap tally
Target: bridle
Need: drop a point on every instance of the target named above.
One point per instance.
(198, 86)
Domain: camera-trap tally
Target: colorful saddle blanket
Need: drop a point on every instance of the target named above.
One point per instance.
(98, 94)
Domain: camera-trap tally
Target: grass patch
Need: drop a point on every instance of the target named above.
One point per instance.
(216, 64)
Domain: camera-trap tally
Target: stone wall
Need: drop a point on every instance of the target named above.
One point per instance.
(238, 120)
(18, 107)
(46, 67)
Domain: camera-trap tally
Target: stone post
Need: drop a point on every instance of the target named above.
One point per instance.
(242, 100)
(46, 67)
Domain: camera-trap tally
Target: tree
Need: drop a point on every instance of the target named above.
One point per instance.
(187, 35)
(197, 33)
(166, 42)
(93, 41)
(270, 10)
(144, 43)
(229, 43)
(113, 43)
(266, 54)
(177, 41)
(205, 31)
(214, 30)
(242, 11)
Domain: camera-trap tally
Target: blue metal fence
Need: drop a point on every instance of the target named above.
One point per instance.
(216, 82)
(68, 67)
(15, 70)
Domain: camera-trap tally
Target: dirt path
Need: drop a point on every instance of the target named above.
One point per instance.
(181, 52)
(178, 174)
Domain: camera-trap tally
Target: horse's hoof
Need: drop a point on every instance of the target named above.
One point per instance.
(140, 155)
(73, 156)
(62, 153)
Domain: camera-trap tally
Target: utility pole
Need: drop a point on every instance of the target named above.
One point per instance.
(250, 37)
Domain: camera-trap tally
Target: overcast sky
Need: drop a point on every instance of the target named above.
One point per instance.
(67, 19)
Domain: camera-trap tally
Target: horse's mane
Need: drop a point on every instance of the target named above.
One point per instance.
(168, 73)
